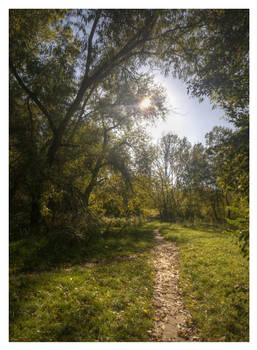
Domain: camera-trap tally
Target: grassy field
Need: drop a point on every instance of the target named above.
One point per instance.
(214, 281)
(56, 295)
(104, 302)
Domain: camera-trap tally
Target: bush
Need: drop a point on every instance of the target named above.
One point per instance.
(239, 224)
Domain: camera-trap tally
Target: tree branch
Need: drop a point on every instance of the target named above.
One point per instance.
(81, 114)
(33, 96)
(99, 73)
(31, 122)
(90, 39)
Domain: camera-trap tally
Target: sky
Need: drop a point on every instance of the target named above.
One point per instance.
(187, 117)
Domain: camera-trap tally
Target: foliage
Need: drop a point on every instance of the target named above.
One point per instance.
(98, 143)
(75, 119)
(206, 183)
(230, 157)
(239, 224)
(185, 182)
(83, 169)
(214, 59)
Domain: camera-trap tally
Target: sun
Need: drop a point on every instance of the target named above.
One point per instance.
(145, 103)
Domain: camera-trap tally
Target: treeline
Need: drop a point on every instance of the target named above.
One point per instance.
(79, 154)
(186, 182)
(204, 183)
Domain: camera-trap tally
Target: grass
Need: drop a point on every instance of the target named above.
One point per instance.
(54, 297)
(71, 303)
(214, 281)
(44, 254)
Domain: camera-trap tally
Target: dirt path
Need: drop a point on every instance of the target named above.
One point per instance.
(172, 322)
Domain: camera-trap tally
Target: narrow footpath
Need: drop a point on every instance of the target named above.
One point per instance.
(171, 321)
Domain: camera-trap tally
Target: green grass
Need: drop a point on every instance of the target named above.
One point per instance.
(53, 297)
(214, 280)
(110, 302)
(44, 253)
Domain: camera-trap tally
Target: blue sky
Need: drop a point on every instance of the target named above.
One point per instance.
(190, 118)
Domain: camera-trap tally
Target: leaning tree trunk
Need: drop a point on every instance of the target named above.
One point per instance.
(92, 183)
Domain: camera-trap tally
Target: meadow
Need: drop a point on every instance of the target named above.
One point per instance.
(105, 295)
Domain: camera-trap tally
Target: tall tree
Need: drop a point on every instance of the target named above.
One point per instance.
(229, 153)
(62, 63)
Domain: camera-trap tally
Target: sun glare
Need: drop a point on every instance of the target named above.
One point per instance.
(145, 103)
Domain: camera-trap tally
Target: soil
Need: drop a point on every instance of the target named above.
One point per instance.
(172, 322)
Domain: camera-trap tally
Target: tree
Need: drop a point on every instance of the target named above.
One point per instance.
(214, 62)
(58, 72)
(170, 172)
(76, 72)
(213, 59)
(229, 152)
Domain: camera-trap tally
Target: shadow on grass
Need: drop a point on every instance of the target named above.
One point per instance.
(66, 322)
(205, 227)
(45, 254)
(82, 304)
(188, 232)
(35, 262)
(21, 289)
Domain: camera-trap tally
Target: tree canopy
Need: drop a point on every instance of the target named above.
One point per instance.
(77, 82)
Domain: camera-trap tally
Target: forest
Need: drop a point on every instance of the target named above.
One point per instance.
(87, 185)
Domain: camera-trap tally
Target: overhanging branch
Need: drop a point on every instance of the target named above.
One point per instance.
(90, 39)
(33, 96)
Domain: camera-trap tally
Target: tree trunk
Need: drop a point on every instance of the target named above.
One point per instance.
(35, 215)
(227, 203)
(215, 212)
(92, 183)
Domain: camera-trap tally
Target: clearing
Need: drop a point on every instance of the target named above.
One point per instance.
(130, 287)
